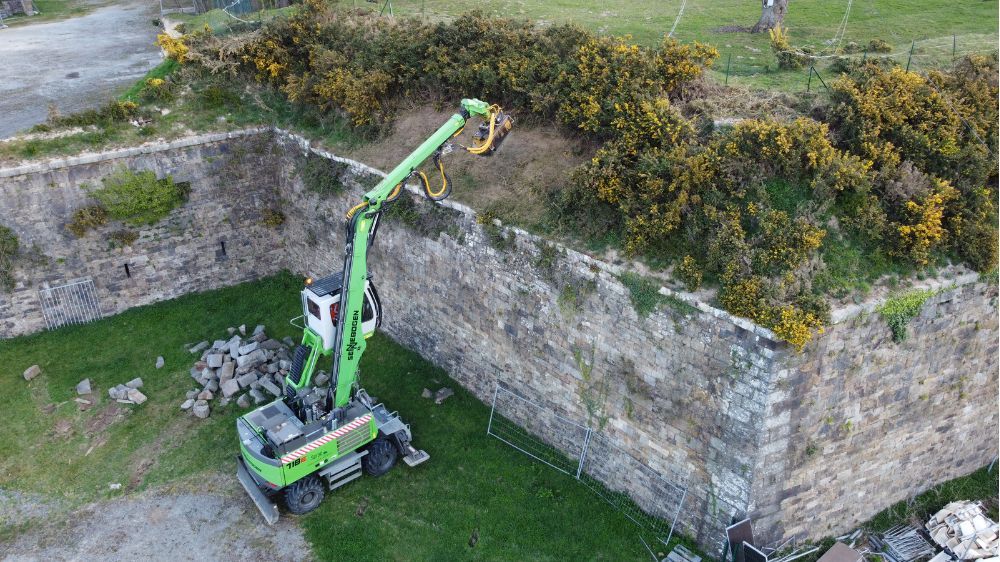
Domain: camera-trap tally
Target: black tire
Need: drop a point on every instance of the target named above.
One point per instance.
(304, 495)
(381, 457)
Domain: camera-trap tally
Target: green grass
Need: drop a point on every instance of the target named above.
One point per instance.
(209, 106)
(980, 485)
(812, 23)
(161, 70)
(520, 509)
(221, 22)
(52, 10)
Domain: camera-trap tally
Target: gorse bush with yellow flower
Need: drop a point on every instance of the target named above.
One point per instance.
(899, 168)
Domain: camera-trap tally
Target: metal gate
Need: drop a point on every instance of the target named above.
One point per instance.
(73, 303)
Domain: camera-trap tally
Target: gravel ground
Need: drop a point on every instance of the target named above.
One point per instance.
(164, 524)
(76, 63)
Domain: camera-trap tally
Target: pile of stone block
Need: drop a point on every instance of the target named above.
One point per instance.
(248, 370)
(964, 529)
(127, 393)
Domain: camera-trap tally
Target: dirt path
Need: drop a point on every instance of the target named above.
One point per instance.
(75, 63)
(165, 524)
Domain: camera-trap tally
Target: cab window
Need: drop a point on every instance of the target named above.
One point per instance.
(313, 308)
(366, 309)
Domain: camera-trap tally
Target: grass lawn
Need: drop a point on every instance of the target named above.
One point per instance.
(812, 23)
(220, 21)
(52, 10)
(472, 483)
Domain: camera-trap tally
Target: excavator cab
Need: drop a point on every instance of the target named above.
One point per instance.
(321, 306)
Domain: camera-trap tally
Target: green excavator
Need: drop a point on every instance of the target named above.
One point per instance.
(315, 439)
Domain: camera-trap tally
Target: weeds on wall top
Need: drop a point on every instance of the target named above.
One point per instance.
(322, 175)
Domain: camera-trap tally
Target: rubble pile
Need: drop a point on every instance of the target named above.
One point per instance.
(246, 370)
(964, 529)
(127, 393)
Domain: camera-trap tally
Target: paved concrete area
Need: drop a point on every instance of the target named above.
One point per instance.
(218, 523)
(75, 63)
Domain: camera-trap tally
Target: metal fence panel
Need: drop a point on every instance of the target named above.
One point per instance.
(639, 492)
(73, 303)
(521, 423)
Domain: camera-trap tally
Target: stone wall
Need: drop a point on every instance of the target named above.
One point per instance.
(809, 444)
(231, 180)
(859, 422)
(663, 387)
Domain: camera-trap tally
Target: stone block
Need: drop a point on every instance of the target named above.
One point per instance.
(201, 409)
(258, 396)
(83, 387)
(255, 357)
(246, 380)
(230, 387)
(32, 372)
(226, 371)
(270, 387)
(248, 348)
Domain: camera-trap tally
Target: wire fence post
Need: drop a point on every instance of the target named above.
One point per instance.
(729, 61)
(910, 57)
(864, 57)
(489, 427)
(810, 79)
(583, 453)
(954, 44)
(821, 81)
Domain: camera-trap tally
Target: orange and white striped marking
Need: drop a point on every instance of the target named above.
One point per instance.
(342, 431)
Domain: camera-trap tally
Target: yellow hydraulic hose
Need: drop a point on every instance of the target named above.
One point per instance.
(356, 208)
(494, 112)
(445, 188)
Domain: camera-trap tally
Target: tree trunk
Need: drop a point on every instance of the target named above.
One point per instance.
(772, 13)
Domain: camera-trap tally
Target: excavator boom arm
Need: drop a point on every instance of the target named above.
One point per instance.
(361, 220)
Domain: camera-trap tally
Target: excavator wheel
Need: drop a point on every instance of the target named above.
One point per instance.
(381, 457)
(304, 495)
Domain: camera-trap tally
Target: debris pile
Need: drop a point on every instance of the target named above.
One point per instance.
(128, 393)
(439, 396)
(964, 529)
(241, 369)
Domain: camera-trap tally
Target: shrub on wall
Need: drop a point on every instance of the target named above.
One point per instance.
(321, 175)
(86, 218)
(899, 310)
(138, 197)
(8, 253)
